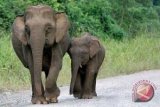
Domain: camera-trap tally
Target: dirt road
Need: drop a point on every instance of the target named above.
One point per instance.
(112, 92)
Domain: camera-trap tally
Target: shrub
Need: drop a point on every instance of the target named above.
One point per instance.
(105, 18)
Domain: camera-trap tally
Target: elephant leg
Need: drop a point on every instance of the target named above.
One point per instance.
(88, 81)
(87, 89)
(77, 86)
(35, 99)
(94, 85)
(51, 89)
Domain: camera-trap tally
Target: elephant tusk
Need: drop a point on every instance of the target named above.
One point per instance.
(80, 66)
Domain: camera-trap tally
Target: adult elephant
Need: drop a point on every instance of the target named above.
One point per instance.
(40, 40)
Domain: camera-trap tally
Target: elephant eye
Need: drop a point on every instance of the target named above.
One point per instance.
(27, 30)
(49, 30)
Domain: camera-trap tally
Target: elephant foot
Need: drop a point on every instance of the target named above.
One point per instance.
(87, 96)
(52, 100)
(76, 95)
(39, 100)
(51, 96)
(94, 94)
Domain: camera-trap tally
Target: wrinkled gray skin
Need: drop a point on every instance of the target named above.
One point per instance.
(40, 40)
(87, 55)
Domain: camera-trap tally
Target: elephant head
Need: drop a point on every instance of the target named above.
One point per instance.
(40, 27)
(43, 20)
(81, 51)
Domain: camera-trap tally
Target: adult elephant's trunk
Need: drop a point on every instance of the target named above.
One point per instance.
(74, 68)
(37, 45)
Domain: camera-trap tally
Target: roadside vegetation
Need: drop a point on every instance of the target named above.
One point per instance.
(128, 29)
(122, 57)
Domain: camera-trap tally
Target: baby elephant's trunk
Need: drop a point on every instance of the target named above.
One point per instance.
(74, 68)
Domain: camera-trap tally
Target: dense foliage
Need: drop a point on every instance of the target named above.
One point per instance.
(104, 18)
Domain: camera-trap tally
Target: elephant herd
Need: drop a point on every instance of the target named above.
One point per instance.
(40, 39)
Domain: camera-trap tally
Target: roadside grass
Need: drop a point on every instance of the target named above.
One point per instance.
(122, 57)
(130, 56)
(12, 74)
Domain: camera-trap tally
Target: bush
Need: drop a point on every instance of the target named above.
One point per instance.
(11, 8)
(104, 18)
(93, 17)
(8, 10)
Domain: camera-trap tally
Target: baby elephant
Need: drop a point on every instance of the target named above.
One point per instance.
(87, 55)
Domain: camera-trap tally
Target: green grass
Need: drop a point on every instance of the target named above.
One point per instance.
(12, 73)
(122, 57)
(129, 56)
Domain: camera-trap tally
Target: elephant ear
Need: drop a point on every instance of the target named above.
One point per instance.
(94, 47)
(18, 29)
(62, 26)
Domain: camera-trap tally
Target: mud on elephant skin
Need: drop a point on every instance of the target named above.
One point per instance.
(87, 55)
(40, 40)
